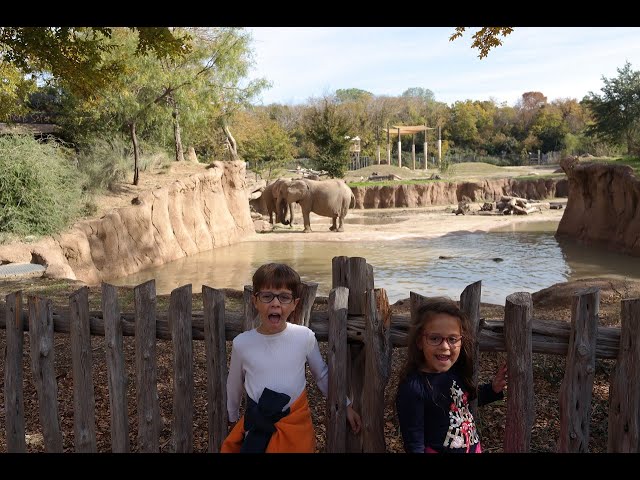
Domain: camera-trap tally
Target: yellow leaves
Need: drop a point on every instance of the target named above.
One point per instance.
(485, 38)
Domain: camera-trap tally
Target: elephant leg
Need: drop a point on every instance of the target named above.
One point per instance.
(291, 215)
(307, 221)
(340, 225)
(333, 227)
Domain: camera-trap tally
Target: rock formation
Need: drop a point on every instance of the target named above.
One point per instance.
(193, 215)
(447, 193)
(602, 208)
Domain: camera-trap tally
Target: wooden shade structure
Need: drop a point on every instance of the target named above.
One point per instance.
(410, 129)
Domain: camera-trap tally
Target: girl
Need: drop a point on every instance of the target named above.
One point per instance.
(436, 384)
(269, 363)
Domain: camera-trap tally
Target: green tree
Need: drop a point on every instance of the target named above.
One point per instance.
(351, 94)
(329, 132)
(205, 84)
(164, 100)
(75, 55)
(463, 129)
(550, 130)
(265, 145)
(616, 113)
(14, 91)
(418, 92)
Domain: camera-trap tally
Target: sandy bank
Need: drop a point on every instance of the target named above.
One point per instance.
(397, 223)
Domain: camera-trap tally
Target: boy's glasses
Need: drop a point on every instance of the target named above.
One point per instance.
(434, 339)
(267, 297)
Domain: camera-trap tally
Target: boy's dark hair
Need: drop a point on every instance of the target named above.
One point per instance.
(277, 275)
(415, 358)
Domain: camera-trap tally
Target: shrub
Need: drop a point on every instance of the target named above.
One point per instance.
(107, 162)
(40, 187)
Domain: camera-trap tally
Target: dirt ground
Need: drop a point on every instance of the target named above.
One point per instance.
(553, 303)
(151, 179)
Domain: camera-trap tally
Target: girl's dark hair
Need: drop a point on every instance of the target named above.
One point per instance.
(279, 275)
(415, 358)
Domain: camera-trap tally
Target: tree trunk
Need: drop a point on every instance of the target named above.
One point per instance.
(231, 143)
(176, 131)
(134, 140)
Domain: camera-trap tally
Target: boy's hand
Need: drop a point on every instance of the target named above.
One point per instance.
(354, 420)
(500, 380)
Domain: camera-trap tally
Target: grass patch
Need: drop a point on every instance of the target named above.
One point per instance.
(538, 177)
(477, 168)
(388, 183)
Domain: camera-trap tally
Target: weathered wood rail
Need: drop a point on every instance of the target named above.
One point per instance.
(548, 336)
(361, 331)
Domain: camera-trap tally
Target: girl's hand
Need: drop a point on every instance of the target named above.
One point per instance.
(354, 420)
(500, 380)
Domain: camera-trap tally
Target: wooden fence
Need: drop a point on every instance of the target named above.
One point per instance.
(360, 331)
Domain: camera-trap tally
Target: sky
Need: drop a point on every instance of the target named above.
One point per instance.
(561, 62)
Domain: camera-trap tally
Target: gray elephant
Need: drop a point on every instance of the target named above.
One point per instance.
(280, 199)
(327, 198)
(269, 199)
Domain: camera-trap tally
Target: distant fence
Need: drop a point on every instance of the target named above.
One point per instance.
(548, 158)
(360, 330)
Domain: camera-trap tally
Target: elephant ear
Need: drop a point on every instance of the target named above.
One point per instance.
(298, 188)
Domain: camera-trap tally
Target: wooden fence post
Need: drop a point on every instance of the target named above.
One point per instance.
(146, 370)
(307, 298)
(577, 384)
(336, 414)
(43, 369)
(470, 304)
(416, 300)
(116, 371)
(182, 341)
(377, 344)
(517, 338)
(13, 376)
(355, 274)
(250, 312)
(84, 404)
(216, 362)
(624, 394)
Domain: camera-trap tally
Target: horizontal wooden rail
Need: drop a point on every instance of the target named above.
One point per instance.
(549, 336)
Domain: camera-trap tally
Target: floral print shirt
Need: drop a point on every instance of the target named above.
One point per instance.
(434, 415)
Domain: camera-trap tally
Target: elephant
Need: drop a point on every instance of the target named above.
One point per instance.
(327, 198)
(270, 195)
(279, 194)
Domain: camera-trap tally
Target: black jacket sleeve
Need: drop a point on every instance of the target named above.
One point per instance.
(410, 407)
(487, 395)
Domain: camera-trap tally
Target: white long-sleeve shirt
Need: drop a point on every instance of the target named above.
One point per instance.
(275, 361)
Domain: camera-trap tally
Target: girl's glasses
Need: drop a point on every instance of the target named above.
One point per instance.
(434, 339)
